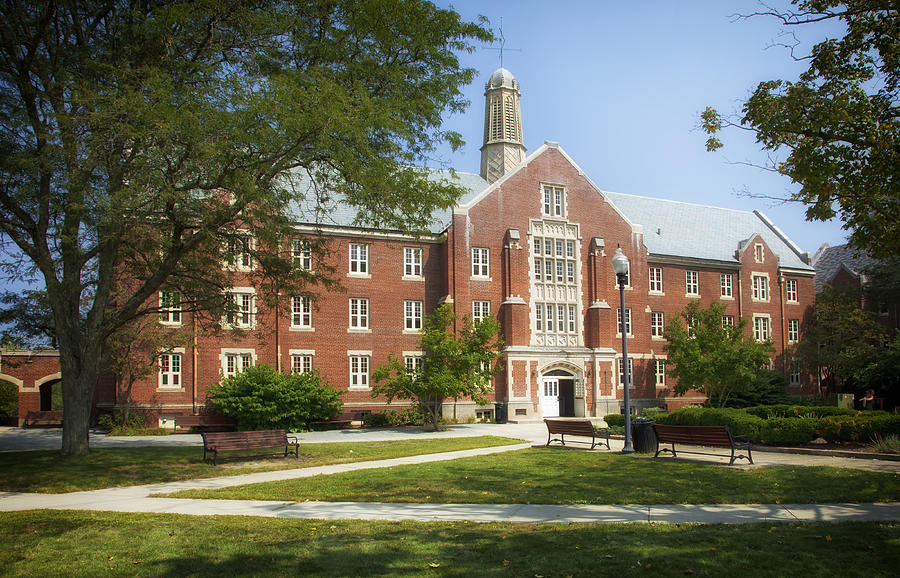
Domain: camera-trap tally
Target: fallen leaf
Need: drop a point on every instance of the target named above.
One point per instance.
(434, 564)
(506, 562)
(828, 538)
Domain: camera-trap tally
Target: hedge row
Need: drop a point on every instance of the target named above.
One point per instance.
(779, 427)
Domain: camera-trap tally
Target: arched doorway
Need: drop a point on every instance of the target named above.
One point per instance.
(558, 394)
(51, 395)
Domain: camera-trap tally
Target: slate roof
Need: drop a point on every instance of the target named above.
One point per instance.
(327, 209)
(829, 261)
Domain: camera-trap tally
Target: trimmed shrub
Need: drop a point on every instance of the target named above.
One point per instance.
(738, 421)
(770, 411)
(614, 420)
(789, 430)
(376, 420)
(862, 427)
(261, 398)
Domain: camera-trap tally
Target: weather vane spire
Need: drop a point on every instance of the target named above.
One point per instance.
(502, 44)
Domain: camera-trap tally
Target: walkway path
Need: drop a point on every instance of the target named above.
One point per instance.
(136, 498)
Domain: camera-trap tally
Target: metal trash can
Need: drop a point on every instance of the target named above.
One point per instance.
(501, 412)
(643, 437)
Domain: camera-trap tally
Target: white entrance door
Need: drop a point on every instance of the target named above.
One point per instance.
(550, 397)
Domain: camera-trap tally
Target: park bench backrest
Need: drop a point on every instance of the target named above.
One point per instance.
(232, 440)
(571, 427)
(704, 435)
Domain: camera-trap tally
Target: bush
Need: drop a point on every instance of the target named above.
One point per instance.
(784, 410)
(738, 421)
(261, 398)
(614, 420)
(768, 389)
(390, 418)
(9, 400)
(376, 420)
(862, 427)
(789, 430)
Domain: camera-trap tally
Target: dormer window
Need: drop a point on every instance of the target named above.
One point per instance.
(758, 254)
(554, 201)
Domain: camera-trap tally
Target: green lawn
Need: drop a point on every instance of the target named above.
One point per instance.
(47, 543)
(48, 472)
(552, 476)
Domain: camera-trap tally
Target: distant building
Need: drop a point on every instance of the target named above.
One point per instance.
(530, 242)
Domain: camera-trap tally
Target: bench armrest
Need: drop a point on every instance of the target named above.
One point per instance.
(293, 440)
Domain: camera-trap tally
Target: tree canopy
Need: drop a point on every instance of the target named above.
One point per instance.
(708, 356)
(839, 122)
(452, 365)
(138, 138)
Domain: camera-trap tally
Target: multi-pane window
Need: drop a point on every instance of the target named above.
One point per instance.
(359, 371)
(693, 322)
(758, 254)
(239, 252)
(240, 308)
(480, 310)
(169, 308)
(556, 290)
(235, 362)
(359, 259)
(793, 330)
(359, 313)
(656, 283)
(627, 321)
(301, 252)
(170, 370)
(728, 321)
(790, 289)
(412, 262)
(413, 363)
(761, 328)
(412, 315)
(760, 288)
(660, 372)
(795, 371)
(480, 262)
(726, 283)
(301, 311)
(554, 201)
(622, 374)
(301, 363)
(692, 282)
(657, 324)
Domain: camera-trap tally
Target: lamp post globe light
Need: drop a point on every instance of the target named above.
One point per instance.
(620, 266)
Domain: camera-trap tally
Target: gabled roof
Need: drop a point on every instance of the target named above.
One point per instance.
(686, 230)
(830, 260)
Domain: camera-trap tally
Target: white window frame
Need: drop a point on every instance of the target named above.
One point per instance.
(359, 369)
(794, 372)
(759, 253)
(656, 280)
(301, 312)
(726, 284)
(301, 252)
(412, 315)
(235, 361)
(659, 369)
(170, 312)
(481, 263)
(692, 283)
(760, 286)
(762, 327)
(793, 330)
(301, 360)
(554, 204)
(244, 317)
(359, 314)
(359, 259)
(728, 321)
(657, 324)
(619, 366)
(413, 360)
(240, 258)
(171, 366)
(480, 310)
(791, 290)
(412, 262)
(627, 322)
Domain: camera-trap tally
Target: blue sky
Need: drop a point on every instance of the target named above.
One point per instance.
(620, 86)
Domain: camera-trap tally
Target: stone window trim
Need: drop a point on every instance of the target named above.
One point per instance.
(244, 314)
(791, 291)
(760, 288)
(239, 357)
(621, 376)
(553, 199)
(659, 367)
(762, 326)
(301, 360)
(629, 328)
(359, 369)
(171, 369)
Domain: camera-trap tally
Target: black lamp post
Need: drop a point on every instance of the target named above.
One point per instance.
(620, 266)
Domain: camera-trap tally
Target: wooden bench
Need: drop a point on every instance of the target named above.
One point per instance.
(215, 442)
(203, 423)
(44, 418)
(701, 435)
(574, 427)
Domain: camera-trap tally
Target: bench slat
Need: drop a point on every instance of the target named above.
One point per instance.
(215, 442)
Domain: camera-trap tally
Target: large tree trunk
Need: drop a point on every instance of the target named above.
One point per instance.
(80, 367)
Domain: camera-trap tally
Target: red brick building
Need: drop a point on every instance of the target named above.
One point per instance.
(531, 242)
